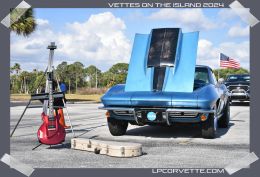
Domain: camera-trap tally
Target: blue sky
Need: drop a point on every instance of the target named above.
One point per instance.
(104, 37)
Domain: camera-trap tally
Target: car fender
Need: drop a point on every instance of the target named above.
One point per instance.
(207, 96)
(116, 95)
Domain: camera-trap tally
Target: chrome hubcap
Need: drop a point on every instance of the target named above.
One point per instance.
(215, 123)
(215, 120)
(228, 112)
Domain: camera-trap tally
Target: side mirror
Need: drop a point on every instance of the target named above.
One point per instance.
(221, 81)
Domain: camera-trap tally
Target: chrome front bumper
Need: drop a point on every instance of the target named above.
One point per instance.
(167, 111)
(239, 94)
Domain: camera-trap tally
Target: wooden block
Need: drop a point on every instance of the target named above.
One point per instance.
(110, 148)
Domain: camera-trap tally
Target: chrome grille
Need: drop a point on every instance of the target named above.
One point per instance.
(238, 87)
(183, 114)
(123, 113)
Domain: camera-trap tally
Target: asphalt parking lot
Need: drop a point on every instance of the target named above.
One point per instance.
(163, 147)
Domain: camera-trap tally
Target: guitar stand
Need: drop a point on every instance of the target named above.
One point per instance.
(36, 146)
(32, 106)
(19, 120)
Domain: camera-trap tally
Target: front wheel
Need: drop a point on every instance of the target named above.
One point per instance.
(224, 119)
(209, 127)
(117, 127)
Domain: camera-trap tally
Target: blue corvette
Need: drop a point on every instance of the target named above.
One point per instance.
(165, 86)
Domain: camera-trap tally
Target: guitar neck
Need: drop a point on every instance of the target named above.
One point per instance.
(52, 125)
(50, 83)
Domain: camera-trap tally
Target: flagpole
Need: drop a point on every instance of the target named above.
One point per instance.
(218, 65)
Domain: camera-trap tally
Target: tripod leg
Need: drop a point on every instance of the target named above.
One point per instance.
(37, 146)
(65, 106)
(69, 119)
(20, 118)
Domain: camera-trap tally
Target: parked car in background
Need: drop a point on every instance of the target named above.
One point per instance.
(238, 86)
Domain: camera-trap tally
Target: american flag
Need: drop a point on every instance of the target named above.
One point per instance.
(227, 62)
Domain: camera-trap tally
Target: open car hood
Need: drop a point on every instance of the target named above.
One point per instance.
(163, 60)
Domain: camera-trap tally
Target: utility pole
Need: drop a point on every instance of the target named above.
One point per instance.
(219, 65)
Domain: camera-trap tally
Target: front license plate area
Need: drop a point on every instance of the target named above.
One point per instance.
(150, 115)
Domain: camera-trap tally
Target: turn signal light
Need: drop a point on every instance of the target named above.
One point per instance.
(107, 114)
(203, 117)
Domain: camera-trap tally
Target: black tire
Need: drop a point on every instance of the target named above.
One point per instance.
(117, 127)
(208, 129)
(223, 121)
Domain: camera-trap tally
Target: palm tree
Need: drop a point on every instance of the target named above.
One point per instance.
(25, 24)
(24, 78)
(16, 68)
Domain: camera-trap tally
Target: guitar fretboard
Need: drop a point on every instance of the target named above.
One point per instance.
(51, 118)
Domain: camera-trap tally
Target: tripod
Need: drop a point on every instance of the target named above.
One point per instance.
(44, 96)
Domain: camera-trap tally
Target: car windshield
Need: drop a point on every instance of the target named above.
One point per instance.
(237, 78)
(201, 77)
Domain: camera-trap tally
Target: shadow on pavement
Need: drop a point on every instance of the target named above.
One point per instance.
(84, 131)
(223, 131)
(60, 146)
(174, 131)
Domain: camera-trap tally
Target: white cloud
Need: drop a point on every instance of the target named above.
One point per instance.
(193, 19)
(208, 53)
(226, 14)
(42, 22)
(100, 40)
(238, 31)
(235, 50)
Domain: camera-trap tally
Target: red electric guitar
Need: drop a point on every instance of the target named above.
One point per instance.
(51, 132)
